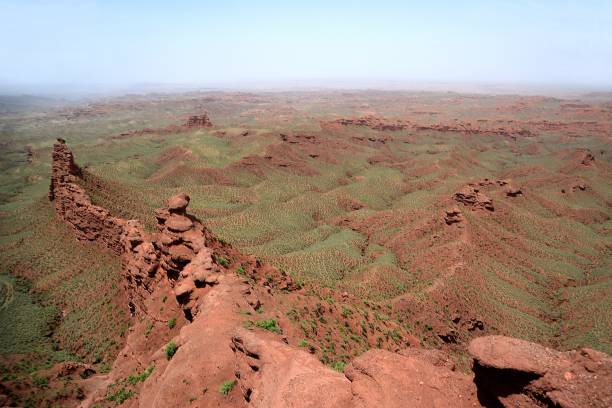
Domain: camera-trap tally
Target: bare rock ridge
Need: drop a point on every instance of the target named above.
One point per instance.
(73, 205)
(183, 259)
(511, 130)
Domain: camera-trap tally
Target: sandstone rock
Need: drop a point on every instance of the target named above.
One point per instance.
(514, 372)
(181, 253)
(198, 121)
(453, 216)
(178, 203)
(272, 374)
(472, 197)
(513, 191)
(73, 205)
(435, 357)
(178, 223)
(380, 378)
(183, 289)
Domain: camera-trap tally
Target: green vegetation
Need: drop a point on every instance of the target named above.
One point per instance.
(170, 350)
(269, 324)
(222, 261)
(135, 379)
(40, 382)
(120, 396)
(172, 323)
(227, 387)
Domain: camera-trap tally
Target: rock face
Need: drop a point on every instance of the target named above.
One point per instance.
(514, 372)
(140, 262)
(73, 205)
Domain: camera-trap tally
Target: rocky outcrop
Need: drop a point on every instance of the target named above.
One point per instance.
(140, 262)
(380, 378)
(470, 196)
(73, 205)
(514, 373)
(273, 374)
(453, 216)
(508, 372)
(373, 122)
(483, 128)
(184, 256)
(198, 121)
(512, 191)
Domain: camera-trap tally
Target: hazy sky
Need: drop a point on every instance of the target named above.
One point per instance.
(125, 42)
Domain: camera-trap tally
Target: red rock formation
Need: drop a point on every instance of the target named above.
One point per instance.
(184, 256)
(72, 204)
(373, 122)
(198, 121)
(140, 264)
(467, 128)
(472, 197)
(273, 374)
(453, 216)
(514, 373)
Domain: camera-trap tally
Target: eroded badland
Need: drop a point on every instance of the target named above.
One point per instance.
(306, 249)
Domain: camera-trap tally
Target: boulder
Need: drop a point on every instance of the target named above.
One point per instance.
(178, 223)
(512, 372)
(178, 203)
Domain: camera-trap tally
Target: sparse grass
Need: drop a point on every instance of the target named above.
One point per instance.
(172, 323)
(120, 396)
(269, 324)
(135, 379)
(40, 381)
(226, 387)
(222, 261)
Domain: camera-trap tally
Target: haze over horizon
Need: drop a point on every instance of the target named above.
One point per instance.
(116, 44)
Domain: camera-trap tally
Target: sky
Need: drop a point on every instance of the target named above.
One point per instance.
(109, 42)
